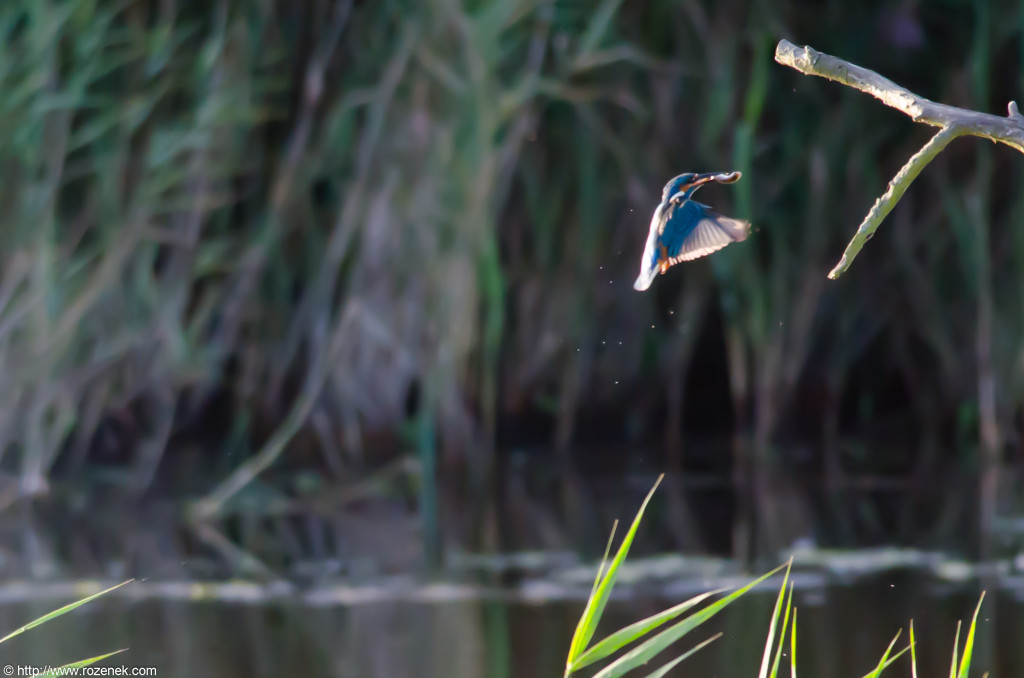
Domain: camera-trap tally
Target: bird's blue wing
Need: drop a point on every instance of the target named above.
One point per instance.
(693, 230)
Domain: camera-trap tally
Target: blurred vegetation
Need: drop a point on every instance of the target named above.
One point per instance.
(327, 239)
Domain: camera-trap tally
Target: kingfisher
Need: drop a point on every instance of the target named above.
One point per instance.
(683, 229)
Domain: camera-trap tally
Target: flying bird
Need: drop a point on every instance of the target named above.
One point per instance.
(683, 229)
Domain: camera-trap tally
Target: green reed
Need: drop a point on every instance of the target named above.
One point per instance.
(583, 653)
(49, 617)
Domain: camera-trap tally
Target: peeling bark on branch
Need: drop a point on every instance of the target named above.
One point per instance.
(953, 122)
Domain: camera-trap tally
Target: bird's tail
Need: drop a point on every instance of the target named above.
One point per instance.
(647, 275)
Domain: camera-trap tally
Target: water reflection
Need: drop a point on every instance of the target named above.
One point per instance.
(843, 629)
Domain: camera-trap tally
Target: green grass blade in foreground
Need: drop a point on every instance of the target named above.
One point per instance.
(640, 655)
(956, 644)
(763, 673)
(604, 558)
(886, 660)
(965, 661)
(62, 670)
(913, 652)
(782, 633)
(627, 635)
(596, 603)
(56, 613)
(672, 664)
(792, 648)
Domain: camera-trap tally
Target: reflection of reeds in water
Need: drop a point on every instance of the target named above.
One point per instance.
(329, 206)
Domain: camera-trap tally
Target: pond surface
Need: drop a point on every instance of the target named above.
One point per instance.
(498, 616)
(399, 629)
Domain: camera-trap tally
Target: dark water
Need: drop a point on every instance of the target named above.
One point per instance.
(843, 630)
(851, 602)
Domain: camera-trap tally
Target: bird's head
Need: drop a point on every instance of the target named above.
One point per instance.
(688, 183)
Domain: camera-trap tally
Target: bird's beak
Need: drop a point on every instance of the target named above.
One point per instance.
(720, 177)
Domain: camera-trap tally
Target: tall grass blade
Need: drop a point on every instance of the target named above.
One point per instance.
(672, 664)
(965, 661)
(64, 670)
(774, 624)
(604, 558)
(886, 660)
(61, 611)
(627, 635)
(913, 652)
(596, 603)
(956, 645)
(654, 646)
(782, 633)
(792, 648)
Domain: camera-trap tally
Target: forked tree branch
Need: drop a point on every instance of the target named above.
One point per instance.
(954, 122)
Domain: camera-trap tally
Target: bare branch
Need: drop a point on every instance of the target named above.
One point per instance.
(1008, 130)
(897, 187)
(953, 122)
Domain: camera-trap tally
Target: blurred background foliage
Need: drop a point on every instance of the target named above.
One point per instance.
(367, 265)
